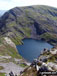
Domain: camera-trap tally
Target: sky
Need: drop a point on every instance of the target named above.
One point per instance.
(8, 4)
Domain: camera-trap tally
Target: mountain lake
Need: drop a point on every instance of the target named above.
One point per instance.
(32, 48)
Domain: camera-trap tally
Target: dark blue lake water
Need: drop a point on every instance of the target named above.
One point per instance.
(31, 48)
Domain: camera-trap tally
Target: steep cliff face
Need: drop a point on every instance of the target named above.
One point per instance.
(38, 22)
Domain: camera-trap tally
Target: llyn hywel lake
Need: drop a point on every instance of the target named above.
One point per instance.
(31, 48)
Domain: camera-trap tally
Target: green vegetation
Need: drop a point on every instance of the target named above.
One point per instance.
(2, 74)
(7, 50)
(17, 40)
(1, 67)
(49, 36)
(46, 36)
(26, 31)
(23, 65)
(12, 24)
(30, 72)
(0, 41)
(53, 58)
(12, 52)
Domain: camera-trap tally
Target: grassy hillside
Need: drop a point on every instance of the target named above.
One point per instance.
(7, 50)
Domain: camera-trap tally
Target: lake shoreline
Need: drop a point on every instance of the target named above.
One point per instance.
(27, 45)
(38, 38)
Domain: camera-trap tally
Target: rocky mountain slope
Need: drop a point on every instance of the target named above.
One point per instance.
(10, 60)
(38, 22)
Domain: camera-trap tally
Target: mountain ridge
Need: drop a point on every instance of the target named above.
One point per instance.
(32, 22)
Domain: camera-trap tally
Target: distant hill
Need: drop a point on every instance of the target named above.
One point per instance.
(38, 22)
